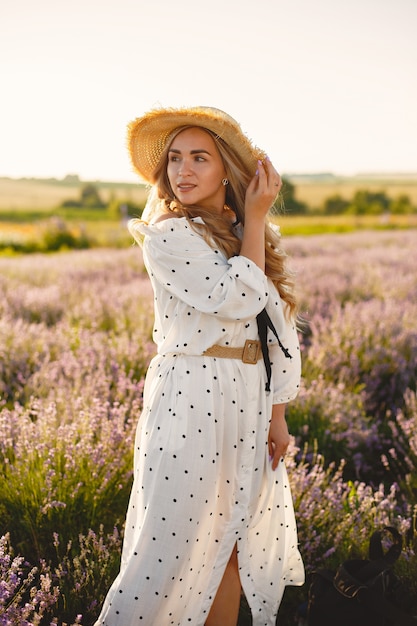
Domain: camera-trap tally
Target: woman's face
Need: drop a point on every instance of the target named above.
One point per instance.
(195, 170)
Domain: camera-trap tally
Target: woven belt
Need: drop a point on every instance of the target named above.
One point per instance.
(250, 353)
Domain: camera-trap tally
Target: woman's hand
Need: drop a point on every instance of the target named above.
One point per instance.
(262, 190)
(278, 436)
(260, 195)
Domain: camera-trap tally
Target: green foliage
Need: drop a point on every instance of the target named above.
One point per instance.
(71, 203)
(57, 236)
(85, 570)
(89, 199)
(124, 208)
(403, 461)
(51, 489)
(287, 201)
(335, 205)
(402, 205)
(309, 414)
(365, 202)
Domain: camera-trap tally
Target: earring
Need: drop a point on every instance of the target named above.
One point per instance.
(225, 181)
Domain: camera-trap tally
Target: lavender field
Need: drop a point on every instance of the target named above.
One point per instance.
(75, 341)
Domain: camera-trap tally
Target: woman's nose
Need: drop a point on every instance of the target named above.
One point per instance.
(184, 167)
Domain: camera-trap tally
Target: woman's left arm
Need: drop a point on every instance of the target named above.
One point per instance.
(278, 436)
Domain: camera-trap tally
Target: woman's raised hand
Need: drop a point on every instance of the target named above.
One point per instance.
(260, 195)
(262, 190)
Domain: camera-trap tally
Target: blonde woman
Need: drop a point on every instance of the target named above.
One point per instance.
(210, 514)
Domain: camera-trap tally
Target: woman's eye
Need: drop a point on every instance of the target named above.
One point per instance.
(173, 158)
(200, 159)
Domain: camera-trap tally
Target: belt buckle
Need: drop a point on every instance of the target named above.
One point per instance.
(251, 351)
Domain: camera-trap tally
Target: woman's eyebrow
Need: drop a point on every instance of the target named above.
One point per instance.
(198, 151)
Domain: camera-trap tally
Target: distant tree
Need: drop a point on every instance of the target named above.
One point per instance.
(366, 202)
(335, 205)
(72, 179)
(71, 203)
(401, 205)
(90, 197)
(287, 202)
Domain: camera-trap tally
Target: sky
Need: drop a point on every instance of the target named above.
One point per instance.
(321, 85)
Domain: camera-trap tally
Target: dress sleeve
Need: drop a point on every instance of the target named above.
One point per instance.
(182, 262)
(286, 372)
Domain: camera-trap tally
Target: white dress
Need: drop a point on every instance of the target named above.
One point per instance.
(202, 476)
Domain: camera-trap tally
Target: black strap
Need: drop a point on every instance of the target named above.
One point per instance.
(378, 560)
(374, 601)
(351, 578)
(264, 322)
(376, 551)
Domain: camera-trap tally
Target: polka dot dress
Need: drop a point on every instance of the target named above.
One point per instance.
(202, 477)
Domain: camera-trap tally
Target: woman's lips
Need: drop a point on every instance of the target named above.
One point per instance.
(185, 188)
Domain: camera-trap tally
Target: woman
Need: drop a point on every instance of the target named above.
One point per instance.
(210, 512)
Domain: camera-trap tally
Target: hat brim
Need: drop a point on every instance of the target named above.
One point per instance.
(148, 136)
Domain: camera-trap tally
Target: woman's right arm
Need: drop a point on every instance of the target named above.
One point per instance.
(260, 195)
(183, 263)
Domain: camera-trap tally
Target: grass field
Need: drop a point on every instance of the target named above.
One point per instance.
(45, 195)
(29, 208)
(106, 233)
(314, 193)
(316, 224)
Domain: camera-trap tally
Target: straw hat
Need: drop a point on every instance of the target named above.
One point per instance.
(149, 134)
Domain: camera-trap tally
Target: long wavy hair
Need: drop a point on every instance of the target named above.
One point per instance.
(219, 232)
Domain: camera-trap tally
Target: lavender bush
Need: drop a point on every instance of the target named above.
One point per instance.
(26, 593)
(75, 341)
(359, 295)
